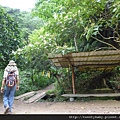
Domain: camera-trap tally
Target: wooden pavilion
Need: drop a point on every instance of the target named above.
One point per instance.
(87, 60)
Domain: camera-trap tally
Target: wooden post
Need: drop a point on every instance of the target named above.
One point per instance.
(73, 81)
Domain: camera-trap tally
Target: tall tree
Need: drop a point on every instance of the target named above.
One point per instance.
(26, 21)
(86, 25)
(9, 36)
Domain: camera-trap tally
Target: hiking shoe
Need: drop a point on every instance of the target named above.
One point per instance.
(6, 110)
(9, 112)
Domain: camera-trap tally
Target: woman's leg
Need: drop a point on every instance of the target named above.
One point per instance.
(11, 96)
(6, 96)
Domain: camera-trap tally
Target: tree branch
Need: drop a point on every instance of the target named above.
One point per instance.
(105, 37)
(101, 48)
(75, 42)
(104, 43)
(118, 40)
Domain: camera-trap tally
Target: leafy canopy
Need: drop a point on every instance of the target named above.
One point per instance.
(85, 25)
(9, 36)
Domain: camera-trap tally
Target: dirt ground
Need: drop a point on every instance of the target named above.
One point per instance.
(90, 107)
(81, 107)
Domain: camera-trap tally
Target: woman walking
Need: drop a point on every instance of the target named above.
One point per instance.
(10, 84)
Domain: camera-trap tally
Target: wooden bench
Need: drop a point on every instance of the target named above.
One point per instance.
(72, 96)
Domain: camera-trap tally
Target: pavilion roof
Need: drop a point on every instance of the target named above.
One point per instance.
(87, 60)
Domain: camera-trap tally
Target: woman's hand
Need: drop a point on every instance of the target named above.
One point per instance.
(17, 88)
(2, 89)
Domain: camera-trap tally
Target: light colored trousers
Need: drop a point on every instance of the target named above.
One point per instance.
(8, 97)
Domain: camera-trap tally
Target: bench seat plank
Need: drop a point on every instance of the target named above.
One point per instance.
(93, 95)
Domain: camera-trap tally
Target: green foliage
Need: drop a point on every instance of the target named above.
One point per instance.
(85, 82)
(75, 22)
(63, 50)
(115, 80)
(72, 26)
(63, 80)
(67, 26)
(35, 54)
(26, 21)
(32, 81)
(9, 37)
(1, 77)
(39, 81)
(59, 90)
(45, 8)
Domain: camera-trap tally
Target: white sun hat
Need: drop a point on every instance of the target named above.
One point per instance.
(12, 63)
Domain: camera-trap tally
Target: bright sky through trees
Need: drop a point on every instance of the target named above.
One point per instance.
(23, 5)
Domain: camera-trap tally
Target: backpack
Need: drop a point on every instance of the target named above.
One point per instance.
(11, 79)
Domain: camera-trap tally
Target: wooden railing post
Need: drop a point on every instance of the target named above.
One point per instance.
(73, 81)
